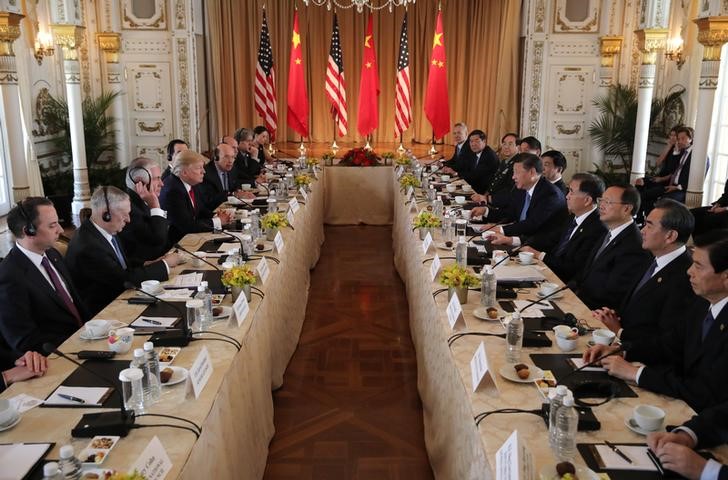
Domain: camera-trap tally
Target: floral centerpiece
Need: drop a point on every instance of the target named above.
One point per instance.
(388, 157)
(408, 180)
(302, 180)
(312, 162)
(360, 157)
(239, 279)
(426, 219)
(135, 475)
(403, 161)
(458, 279)
(328, 158)
(272, 222)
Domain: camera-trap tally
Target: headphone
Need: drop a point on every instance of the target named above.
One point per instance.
(30, 229)
(131, 177)
(106, 216)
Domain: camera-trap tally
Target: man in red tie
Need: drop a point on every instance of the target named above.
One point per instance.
(38, 300)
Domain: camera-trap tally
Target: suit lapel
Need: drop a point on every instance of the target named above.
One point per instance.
(36, 278)
(716, 336)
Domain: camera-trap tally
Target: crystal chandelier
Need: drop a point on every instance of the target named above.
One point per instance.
(360, 4)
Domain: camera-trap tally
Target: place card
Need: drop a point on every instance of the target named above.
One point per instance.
(427, 243)
(263, 270)
(435, 267)
(399, 171)
(289, 216)
(413, 206)
(153, 463)
(241, 308)
(455, 312)
(304, 194)
(410, 192)
(278, 241)
(479, 367)
(201, 371)
(293, 203)
(513, 461)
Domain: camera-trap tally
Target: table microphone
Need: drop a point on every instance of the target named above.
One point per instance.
(237, 239)
(173, 337)
(106, 423)
(180, 247)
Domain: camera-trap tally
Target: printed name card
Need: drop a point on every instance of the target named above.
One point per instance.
(426, 243)
(289, 216)
(513, 461)
(435, 267)
(400, 171)
(454, 312)
(479, 367)
(278, 240)
(153, 463)
(201, 371)
(293, 203)
(241, 308)
(263, 270)
(410, 192)
(413, 205)
(304, 194)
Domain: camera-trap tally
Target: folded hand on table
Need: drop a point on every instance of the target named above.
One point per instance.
(658, 440)
(500, 239)
(30, 365)
(609, 318)
(619, 367)
(682, 460)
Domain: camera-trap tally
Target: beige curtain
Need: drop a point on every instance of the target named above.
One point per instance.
(481, 39)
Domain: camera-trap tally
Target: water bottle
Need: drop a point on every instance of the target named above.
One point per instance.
(567, 421)
(255, 224)
(447, 228)
(461, 252)
(140, 362)
(247, 239)
(204, 294)
(425, 181)
(488, 285)
(152, 365)
(52, 472)
(234, 257)
(437, 207)
(69, 465)
(514, 338)
(554, 405)
(194, 311)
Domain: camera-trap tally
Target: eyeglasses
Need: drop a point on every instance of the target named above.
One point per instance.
(579, 192)
(601, 201)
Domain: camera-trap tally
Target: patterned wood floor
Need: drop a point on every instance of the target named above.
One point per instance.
(349, 407)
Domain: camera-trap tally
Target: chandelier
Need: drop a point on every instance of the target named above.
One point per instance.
(360, 4)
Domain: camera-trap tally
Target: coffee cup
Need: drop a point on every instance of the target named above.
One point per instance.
(7, 411)
(445, 178)
(499, 255)
(97, 328)
(467, 188)
(197, 262)
(526, 258)
(547, 288)
(649, 417)
(120, 339)
(151, 286)
(466, 214)
(566, 344)
(602, 336)
(565, 331)
(246, 186)
(460, 200)
(450, 188)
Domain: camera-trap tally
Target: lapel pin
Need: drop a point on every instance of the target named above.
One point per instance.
(659, 279)
(722, 326)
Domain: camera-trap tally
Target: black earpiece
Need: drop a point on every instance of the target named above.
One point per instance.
(106, 217)
(29, 228)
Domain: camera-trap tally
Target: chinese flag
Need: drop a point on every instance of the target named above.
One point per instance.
(437, 105)
(297, 96)
(368, 118)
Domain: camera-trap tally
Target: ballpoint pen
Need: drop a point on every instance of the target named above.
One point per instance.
(153, 322)
(618, 451)
(71, 398)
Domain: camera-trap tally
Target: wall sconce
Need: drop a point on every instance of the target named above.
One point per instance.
(674, 51)
(43, 46)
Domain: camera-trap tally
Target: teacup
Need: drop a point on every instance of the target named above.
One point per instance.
(197, 262)
(566, 344)
(460, 200)
(151, 286)
(466, 214)
(246, 186)
(486, 234)
(97, 328)
(7, 411)
(450, 187)
(565, 331)
(547, 288)
(445, 178)
(526, 258)
(649, 417)
(499, 255)
(120, 339)
(227, 265)
(602, 336)
(467, 188)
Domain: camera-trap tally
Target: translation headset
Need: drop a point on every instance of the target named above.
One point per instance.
(132, 171)
(106, 216)
(29, 228)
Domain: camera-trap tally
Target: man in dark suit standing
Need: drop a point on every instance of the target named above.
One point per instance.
(96, 259)
(182, 198)
(687, 361)
(663, 293)
(617, 260)
(477, 166)
(462, 146)
(173, 148)
(246, 159)
(567, 249)
(535, 206)
(38, 300)
(146, 236)
(554, 164)
(679, 166)
(713, 217)
(221, 178)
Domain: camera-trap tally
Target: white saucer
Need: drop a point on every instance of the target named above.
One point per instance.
(83, 336)
(180, 375)
(541, 295)
(442, 246)
(226, 312)
(509, 373)
(632, 425)
(14, 421)
(482, 313)
(267, 247)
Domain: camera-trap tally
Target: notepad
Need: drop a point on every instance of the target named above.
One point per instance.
(92, 396)
(154, 322)
(578, 363)
(518, 273)
(533, 311)
(187, 280)
(610, 460)
(226, 247)
(18, 459)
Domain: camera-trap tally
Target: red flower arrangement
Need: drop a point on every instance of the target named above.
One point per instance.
(360, 157)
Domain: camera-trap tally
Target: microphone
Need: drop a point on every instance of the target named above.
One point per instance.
(174, 337)
(106, 423)
(622, 348)
(180, 247)
(534, 302)
(237, 239)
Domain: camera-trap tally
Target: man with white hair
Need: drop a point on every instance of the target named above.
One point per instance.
(96, 258)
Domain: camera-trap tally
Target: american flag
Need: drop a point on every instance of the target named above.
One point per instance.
(402, 105)
(335, 83)
(265, 82)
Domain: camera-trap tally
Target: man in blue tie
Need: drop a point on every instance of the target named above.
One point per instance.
(96, 259)
(462, 147)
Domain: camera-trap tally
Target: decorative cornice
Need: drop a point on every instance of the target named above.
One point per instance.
(110, 43)
(651, 40)
(609, 46)
(9, 32)
(712, 34)
(69, 37)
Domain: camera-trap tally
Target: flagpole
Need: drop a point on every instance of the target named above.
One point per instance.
(302, 148)
(334, 146)
(368, 145)
(433, 150)
(400, 149)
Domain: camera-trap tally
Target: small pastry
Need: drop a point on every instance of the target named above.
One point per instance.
(522, 371)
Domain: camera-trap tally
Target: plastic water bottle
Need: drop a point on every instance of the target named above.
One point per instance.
(194, 311)
(447, 228)
(234, 257)
(152, 365)
(437, 207)
(514, 338)
(255, 224)
(140, 362)
(69, 465)
(567, 421)
(247, 239)
(204, 294)
(488, 286)
(52, 472)
(554, 405)
(461, 252)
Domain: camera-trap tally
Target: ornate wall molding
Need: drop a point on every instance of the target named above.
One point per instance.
(709, 74)
(148, 82)
(568, 130)
(609, 46)
(570, 90)
(184, 90)
(180, 15)
(563, 24)
(574, 48)
(147, 47)
(9, 32)
(70, 38)
(150, 127)
(8, 70)
(535, 90)
(110, 44)
(157, 21)
(712, 34)
(540, 17)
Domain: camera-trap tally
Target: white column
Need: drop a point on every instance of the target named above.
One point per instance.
(110, 45)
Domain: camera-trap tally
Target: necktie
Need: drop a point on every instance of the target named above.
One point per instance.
(566, 237)
(648, 274)
(457, 151)
(477, 159)
(676, 174)
(526, 204)
(224, 181)
(607, 239)
(192, 198)
(707, 323)
(60, 290)
(119, 255)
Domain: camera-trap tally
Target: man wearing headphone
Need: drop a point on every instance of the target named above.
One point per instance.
(38, 300)
(221, 178)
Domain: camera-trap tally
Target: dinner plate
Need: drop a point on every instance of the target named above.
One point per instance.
(482, 313)
(582, 473)
(226, 312)
(267, 247)
(509, 373)
(10, 424)
(632, 425)
(179, 375)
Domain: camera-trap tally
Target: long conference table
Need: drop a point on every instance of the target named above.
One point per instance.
(235, 409)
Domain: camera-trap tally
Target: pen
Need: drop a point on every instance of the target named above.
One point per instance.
(656, 461)
(153, 322)
(71, 398)
(618, 451)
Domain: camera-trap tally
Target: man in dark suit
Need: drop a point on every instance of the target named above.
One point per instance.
(530, 145)
(173, 148)
(96, 259)
(462, 146)
(536, 205)
(713, 217)
(246, 159)
(38, 300)
(554, 164)
(663, 293)
(679, 166)
(687, 361)
(221, 178)
(477, 166)
(146, 236)
(617, 260)
(501, 185)
(182, 198)
(568, 248)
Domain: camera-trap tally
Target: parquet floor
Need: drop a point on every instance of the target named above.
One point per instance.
(349, 407)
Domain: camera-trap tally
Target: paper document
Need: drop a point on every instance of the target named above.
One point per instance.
(226, 247)
(187, 280)
(578, 363)
(18, 458)
(90, 396)
(609, 459)
(518, 273)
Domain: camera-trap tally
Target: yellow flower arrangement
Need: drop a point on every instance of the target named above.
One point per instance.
(274, 220)
(403, 161)
(127, 476)
(426, 219)
(238, 276)
(312, 162)
(408, 180)
(302, 179)
(456, 276)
